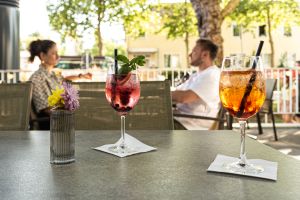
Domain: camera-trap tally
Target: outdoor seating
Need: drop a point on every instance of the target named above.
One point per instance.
(222, 121)
(36, 121)
(267, 107)
(15, 106)
(153, 111)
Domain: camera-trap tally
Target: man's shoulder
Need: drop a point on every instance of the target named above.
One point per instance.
(214, 68)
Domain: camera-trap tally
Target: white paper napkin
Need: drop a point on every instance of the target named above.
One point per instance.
(137, 147)
(270, 168)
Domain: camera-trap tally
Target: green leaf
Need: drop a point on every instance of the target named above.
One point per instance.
(140, 60)
(133, 67)
(125, 69)
(122, 58)
(130, 65)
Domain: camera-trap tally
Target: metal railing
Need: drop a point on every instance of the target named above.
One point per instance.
(286, 94)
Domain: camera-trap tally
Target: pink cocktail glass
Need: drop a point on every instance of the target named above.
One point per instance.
(122, 92)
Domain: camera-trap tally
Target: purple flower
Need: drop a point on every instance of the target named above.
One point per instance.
(70, 97)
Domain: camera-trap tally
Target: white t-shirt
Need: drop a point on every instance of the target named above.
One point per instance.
(206, 85)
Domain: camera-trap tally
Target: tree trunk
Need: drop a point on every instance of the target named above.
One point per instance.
(209, 23)
(100, 16)
(270, 37)
(99, 39)
(186, 42)
(210, 19)
(186, 36)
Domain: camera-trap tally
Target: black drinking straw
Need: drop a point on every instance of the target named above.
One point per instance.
(250, 84)
(261, 44)
(116, 61)
(114, 82)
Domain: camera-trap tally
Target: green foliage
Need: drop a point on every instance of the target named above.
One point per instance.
(250, 13)
(129, 65)
(140, 19)
(71, 17)
(272, 13)
(75, 18)
(177, 19)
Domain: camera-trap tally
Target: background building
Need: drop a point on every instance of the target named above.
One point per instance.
(162, 52)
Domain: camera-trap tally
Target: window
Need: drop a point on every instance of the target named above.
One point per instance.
(287, 60)
(287, 30)
(262, 30)
(236, 30)
(167, 60)
(171, 60)
(291, 59)
(266, 58)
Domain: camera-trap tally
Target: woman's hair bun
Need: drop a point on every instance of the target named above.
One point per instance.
(38, 46)
(34, 49)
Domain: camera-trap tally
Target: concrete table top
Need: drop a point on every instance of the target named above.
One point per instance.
(177, 170)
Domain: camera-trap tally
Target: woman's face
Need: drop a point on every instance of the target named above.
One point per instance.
(51, 57)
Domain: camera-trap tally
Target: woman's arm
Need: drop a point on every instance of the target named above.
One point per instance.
(79, 76)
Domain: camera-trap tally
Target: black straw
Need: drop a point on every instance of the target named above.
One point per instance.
(250, 84)
(261, 44)
(116, 61)
(114, 83)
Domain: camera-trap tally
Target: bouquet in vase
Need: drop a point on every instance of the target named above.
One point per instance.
(65, 98)
(63, 103)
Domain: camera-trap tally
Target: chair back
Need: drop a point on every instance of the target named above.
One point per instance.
(153, 111)
(270, 87)
(15, 106)
(223, 117)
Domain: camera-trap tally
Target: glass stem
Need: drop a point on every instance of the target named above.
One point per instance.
(122, 145)
(243, 159)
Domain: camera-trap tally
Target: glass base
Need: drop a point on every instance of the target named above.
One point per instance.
(236, 167)
(121, 149)
(61, 162)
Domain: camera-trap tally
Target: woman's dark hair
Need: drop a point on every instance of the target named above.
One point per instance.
(38, 46)
(208, 45)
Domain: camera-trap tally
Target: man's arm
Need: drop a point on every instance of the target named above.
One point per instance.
(184, 96)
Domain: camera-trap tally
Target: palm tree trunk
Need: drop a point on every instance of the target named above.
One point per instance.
(270, 37)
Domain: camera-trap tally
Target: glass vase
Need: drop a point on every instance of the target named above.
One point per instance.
(62, 137)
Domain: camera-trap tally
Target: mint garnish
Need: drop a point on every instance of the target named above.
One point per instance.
(129, 65)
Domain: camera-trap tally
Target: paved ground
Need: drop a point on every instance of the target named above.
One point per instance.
(288, 140)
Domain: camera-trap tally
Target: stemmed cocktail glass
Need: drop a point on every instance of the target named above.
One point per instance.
(122, 92)
(242, 93)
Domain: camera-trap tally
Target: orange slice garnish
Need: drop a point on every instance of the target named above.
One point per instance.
(125, 79)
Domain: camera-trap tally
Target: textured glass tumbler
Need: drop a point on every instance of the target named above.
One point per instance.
(62, 137)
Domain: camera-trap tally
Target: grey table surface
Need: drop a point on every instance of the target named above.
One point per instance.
(177, 170)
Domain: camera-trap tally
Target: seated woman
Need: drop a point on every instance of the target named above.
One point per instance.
(44, 79)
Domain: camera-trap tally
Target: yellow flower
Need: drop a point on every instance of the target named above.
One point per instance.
(56, 100)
